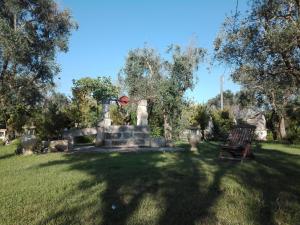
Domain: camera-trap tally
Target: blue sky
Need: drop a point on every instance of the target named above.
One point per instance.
(108, 29)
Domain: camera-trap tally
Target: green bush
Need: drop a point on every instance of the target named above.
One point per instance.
(293, 135)
(270, 136)
(84, 139)
(222, 123)
(2, 143)
(157, 131)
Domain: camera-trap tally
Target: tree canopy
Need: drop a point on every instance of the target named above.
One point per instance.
(263, 49)
(31, 33)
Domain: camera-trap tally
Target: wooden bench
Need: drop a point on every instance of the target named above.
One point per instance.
(238, 144)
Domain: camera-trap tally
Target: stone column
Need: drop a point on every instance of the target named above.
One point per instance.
(106, 121)
(100, 136)
(142, 114)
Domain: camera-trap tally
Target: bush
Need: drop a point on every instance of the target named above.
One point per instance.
(84, 139)
(157, 131)
(2, 142)
(293, 135)
(270, 136)
(223, 122)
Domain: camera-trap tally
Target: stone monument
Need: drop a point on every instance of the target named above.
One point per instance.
(28, 140)
(259, 121)
(142, 114)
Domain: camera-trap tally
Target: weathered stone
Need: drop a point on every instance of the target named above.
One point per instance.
(100, 136)
(28, 143)
(80, 132)
(142, 114)
(260, 122)
(59, 146)
(140, 135)
(157, 142)
(144, 129)
(113, 135)
(126, 135)
(194, 140)
(126, 128)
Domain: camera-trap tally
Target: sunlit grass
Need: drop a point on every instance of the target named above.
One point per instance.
(151, 188)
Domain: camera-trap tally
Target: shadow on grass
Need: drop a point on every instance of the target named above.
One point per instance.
(7, 156)
(180, 189)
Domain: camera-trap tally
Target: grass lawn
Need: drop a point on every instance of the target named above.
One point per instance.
(151, 188)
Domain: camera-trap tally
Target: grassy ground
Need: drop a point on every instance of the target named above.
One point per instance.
(151, 188)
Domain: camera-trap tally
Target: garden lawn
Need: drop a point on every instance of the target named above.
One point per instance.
(151, 188)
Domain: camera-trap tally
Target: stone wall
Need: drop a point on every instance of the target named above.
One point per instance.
(80, 132)
(127, 136)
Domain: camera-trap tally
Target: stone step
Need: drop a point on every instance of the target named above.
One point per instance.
(127, 128)
(126, 135)
(130, 142)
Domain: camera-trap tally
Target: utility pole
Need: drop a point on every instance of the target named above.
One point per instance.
(221, 91)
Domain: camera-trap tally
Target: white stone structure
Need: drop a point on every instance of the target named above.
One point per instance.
(3, 134)
(142, 114)
(259, 121)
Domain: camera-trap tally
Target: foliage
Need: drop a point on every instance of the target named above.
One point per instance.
(222, 123)
(163, 83)
(123, 115)
(201, 117)
(100, 88)
(88, 93)
(116, 116)
(53, 117)
(84, 139)
(31, 33)
(263, 49)
(293, 115)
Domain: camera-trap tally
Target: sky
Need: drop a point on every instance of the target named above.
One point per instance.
(108, 29)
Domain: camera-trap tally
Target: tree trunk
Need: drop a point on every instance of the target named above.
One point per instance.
(167, 128)
(203, 134)
(282, 131)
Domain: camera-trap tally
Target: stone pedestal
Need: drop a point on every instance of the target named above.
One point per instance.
(142, 114)
(127, 136)
(194, 140)
(100, 137)
(28, 143)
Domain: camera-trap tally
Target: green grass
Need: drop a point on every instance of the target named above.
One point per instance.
(151, 188)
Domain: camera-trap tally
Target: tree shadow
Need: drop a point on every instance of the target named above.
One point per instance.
(171, 188)
(7, 156)
(176, 183)
(275, 176)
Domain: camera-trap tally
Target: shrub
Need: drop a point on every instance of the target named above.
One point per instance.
(84, 139)
(222, 123)
(293, 135)
(2, 142)
(157, 131)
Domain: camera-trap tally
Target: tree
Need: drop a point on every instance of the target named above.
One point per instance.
(263, 49)
(88, 93)
(162, 82)
(31, 33)
(201, 117)
(229, 99)
(53, 116)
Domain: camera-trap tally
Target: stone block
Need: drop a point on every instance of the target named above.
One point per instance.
(157, 142)
(144, 129)
(59, 146)
(127, 135)
(28, 143)
(140, 135)
(113, 135)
